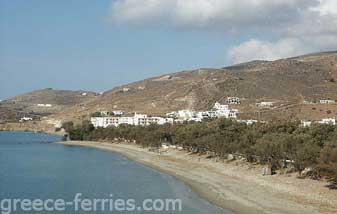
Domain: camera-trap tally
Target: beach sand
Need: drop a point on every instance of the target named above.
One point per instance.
(236, 186)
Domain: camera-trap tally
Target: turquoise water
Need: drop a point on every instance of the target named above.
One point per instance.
(31, 167)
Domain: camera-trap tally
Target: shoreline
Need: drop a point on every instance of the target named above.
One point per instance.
(30, 127)
(234, 186)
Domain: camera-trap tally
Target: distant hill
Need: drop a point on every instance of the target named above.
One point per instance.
(295, 85)
(29, 104)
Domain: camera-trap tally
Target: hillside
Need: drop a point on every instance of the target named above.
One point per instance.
(29, 104)
(295, 85)
(291, 83)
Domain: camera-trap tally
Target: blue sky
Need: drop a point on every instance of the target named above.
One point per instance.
(96, 45)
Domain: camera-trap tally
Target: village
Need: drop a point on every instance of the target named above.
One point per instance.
(118, 118)
(105, 119)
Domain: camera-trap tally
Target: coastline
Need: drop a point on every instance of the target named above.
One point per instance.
(234, 186)
(31, 127)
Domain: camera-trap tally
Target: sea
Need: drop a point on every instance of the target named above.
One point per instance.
(39, 176)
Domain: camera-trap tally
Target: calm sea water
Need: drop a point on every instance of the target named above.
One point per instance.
(31, 167)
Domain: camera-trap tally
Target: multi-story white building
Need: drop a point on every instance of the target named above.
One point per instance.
(137, 120)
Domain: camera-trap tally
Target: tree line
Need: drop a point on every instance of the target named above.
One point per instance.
(277, 143)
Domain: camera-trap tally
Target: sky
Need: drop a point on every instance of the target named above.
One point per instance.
(97, 45)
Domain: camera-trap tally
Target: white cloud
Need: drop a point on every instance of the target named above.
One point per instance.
(296, 26)
(256, 49)
(139, 11)
(326, 7)
(314, 31)
(220, 13)
(263, 50)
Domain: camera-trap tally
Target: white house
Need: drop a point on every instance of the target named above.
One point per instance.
(248, 122)
(265, 104)
(117, 113)
(218, 106)
(44, 105)
(125, 90)
(233, 100)
(327, 102)
(331, 121)
(305, 123)
(24, 119)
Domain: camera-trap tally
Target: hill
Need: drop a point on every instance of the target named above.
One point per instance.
(41, 103)
(295, 85)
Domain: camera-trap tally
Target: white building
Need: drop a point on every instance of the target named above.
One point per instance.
(118, 113)
(44, 105)
(305, 123)
(265, 104)
(229, 113)
(104, 113)
(159, 120)
(233, 100)
(185, 114)
(24, 119)
(125, 90)
(248, 122)
(173, 114)
(105, 122)
(330, 121)
(137, 120)
(206, 114)
(218, 106)
(224, 111)
(327, 102)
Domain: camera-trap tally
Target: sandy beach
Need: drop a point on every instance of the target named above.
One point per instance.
(235, 186)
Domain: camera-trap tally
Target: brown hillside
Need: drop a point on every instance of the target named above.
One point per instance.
(26, 104)
(289, 82)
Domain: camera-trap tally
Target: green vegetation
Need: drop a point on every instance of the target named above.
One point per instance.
(278, 144)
